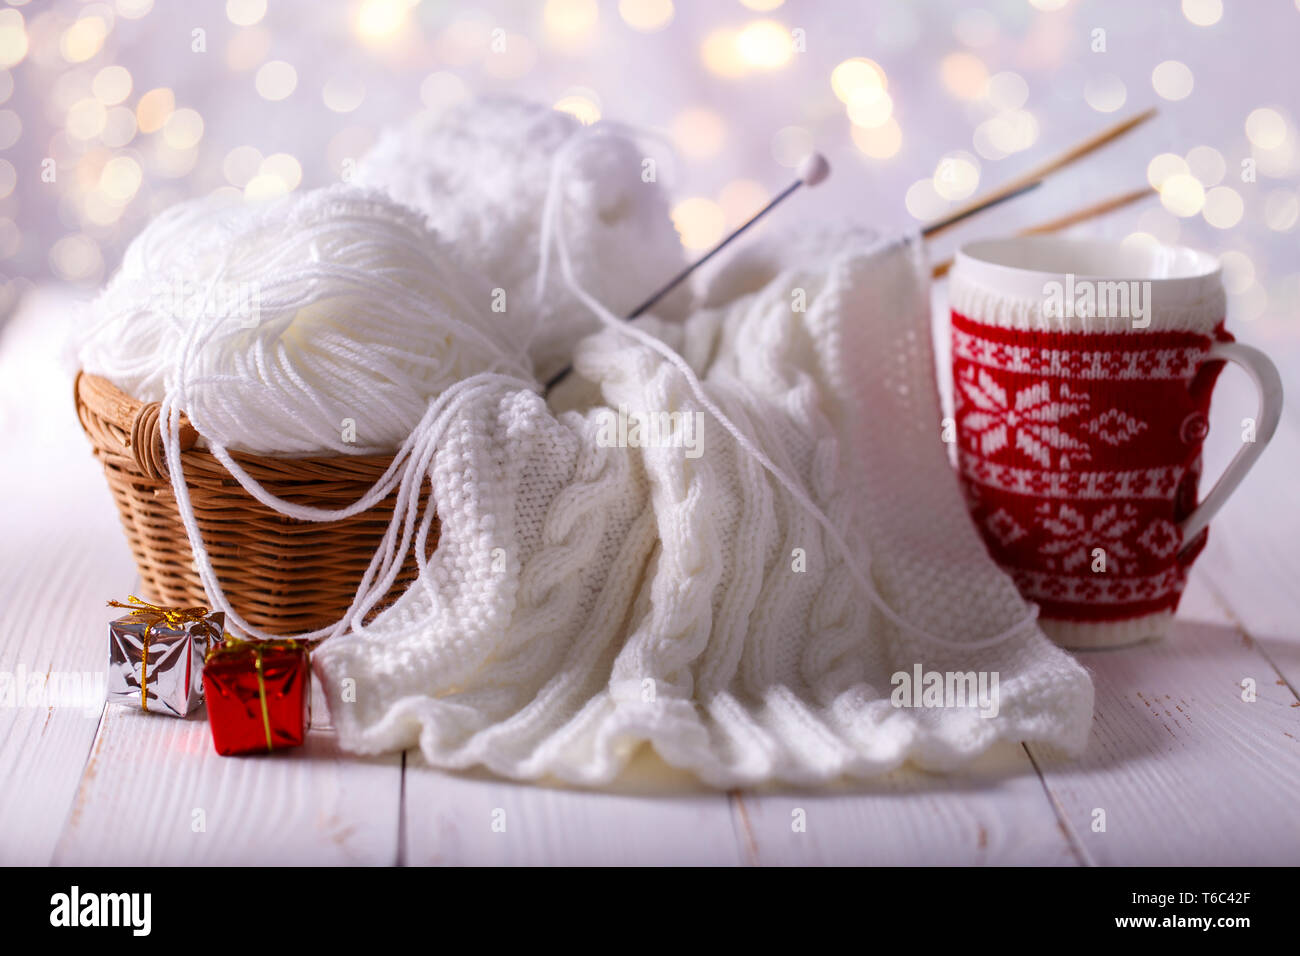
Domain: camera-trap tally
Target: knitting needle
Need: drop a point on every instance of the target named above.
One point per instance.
(812, 171)
(1071, 155)
(1069, 219)
(967, 211)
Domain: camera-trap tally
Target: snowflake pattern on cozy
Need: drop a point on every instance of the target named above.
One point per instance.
(1078, 461)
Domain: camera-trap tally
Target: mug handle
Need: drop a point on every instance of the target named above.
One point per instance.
(1269, 384)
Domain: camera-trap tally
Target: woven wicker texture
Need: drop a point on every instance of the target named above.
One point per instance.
(281, 575)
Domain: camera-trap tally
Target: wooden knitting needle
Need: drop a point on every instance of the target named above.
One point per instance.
(966, 212)
(1071, 155)
(812, 171)
(1070, 218)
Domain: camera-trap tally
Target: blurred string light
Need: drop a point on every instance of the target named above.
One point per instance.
(1010, 131)
(1207, 164)
(77, 258)
(153, 109)
(881, 142)
(86, 119)
(245, 13)
(342, 94)
(1238, 271)
(861, 84)
(870, 108)
(241, 164)
(169, 162)
(1223, 207)
(956, 176)
(1203, 13)
(1182, 194)
(570, 25)
(1172, 80)
(1273, 143)
(379, 22)
(120, 179)
(276, 80)
(758, 46)
(11, 128)
(1007, 91)
(13, 38)
(277, 175)
(762, 6)
(923, 201)
(111, 85)
(183, 129)
(248, 48)
(698, 133)
(1265, 128)
(440, 90)
(1281, 210)
(764, 45)
(1165, 165)
(580, 103)
(8, 178)
(964, 75)
(133, 9)
(84, 38)
(740, 199)
(646, 15)
(1105, 93)
(700, 222)
(855, 76)
(791, 145)
(6, 85)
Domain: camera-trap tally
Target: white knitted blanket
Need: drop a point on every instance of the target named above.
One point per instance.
(587, 597)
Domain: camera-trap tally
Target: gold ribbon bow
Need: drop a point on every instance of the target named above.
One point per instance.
(234, 645)
(154, 615)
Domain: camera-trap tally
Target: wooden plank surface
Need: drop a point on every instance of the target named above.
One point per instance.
(653, 816)
(1184, 769)
(994, 812)
(154, 792)
(63, 556)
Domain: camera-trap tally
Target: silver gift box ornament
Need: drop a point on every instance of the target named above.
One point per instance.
(155, 656)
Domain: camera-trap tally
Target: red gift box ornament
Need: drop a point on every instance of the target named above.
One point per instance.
(258, 695)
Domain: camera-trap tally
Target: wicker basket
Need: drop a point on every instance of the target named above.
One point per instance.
(281, 575)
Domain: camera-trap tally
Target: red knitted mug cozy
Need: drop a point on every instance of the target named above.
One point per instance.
(1080, 453)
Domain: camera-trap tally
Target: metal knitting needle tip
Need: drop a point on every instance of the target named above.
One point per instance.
(812, 172)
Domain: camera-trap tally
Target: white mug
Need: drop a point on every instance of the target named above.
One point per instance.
(1082, 375)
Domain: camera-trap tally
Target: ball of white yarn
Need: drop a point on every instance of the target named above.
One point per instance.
(480, 172)
(292, 324)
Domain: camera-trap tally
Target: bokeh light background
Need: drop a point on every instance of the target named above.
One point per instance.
(112, 110)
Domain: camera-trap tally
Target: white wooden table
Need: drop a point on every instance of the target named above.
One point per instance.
(1185, 770)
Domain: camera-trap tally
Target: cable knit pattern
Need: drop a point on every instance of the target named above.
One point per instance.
(585, 600)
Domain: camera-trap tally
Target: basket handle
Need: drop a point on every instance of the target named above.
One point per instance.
(134, 426)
